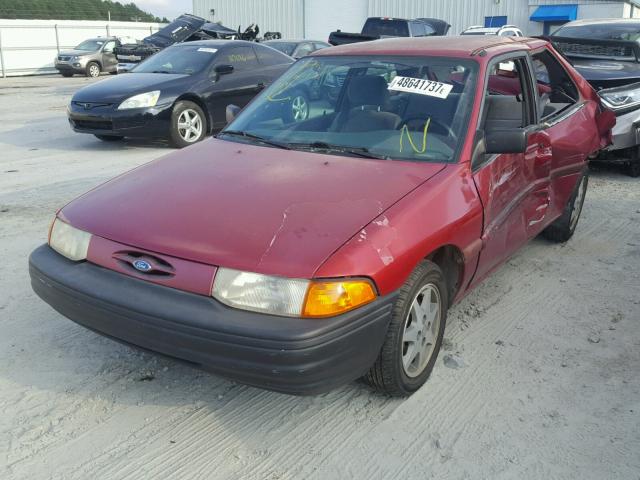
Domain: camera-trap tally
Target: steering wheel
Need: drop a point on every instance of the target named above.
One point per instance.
(434, 124)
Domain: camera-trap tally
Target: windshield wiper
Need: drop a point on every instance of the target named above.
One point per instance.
(266, 141)
(363, 152)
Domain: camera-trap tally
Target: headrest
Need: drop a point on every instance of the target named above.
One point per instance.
(367, 90)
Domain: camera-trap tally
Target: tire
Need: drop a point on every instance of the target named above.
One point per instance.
(396, 371)
(109, 138)
(298, 108)
(563, 228)
(67, 74)
(92, 70)
(188, 124)
(633, 168)
(115, 72)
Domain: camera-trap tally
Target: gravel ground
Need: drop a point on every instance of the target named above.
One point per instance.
(539, 377)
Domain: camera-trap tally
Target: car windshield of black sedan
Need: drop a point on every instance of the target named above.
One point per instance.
(406, 108)
(180, 59)
(90, 45)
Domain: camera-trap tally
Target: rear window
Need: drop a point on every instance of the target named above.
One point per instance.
(285, 47)
(601, 31)
(382, 27)
(268, 56)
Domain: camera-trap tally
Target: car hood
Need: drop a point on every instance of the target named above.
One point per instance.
(246, 207)
(595, 70)
(79, 53)
(116, 89)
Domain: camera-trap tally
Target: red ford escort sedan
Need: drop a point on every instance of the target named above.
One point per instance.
(300, 252)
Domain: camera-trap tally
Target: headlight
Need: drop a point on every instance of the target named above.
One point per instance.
(148, 99)
(289, 296)
(69, 241)
(75, 58)
(621, 97)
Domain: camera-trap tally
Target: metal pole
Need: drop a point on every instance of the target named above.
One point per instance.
(4, 72)
(108, 31)
(57, 39)
(304, 19)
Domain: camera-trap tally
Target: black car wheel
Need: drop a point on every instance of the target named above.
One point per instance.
(415, 333)
(188, 124)
(563, 228)
(93, 70)
(109, 138)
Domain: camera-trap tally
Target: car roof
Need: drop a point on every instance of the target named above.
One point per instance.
(456, 46)
(214, 43)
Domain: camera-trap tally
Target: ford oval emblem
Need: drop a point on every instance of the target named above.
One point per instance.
(142, 266)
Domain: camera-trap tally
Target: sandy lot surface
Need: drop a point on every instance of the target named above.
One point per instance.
(544, 382)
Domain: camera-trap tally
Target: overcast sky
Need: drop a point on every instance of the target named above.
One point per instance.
(165, 8)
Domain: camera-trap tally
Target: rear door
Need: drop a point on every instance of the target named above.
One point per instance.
(109, 60)
(514, 188)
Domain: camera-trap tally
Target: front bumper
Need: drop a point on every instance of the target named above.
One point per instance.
(290, 355)
(153, 122)
(70, 67)
(626, 131)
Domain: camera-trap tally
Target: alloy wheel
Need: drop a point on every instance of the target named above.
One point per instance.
(421, 329)
(299, 108)
(189, 125)
(94, 71)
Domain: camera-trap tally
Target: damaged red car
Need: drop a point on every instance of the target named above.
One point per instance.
(300, 252)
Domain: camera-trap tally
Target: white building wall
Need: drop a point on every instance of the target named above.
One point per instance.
(323, 17)
(285, 16)
(29, 46)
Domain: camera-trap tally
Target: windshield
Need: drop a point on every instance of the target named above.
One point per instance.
(406, 108)
(284, 47)
(181, 59)
(386, 27)
(601, 31)
(90, 45)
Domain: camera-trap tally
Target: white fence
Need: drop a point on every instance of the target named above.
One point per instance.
(28, 47)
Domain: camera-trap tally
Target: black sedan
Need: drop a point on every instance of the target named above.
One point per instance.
(181, 93)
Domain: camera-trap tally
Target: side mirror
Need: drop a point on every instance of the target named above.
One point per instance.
(223, 69)
(505, 141)
(231, 112)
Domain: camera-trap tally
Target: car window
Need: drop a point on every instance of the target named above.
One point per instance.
(108, 48)
(509, 33)
(242, 58)
(555, 88)
(285, 47)
(386, 27)
(320, 46)
(304, 49)
(90, 45)
(181, 59)
(413, 108)
(269, 56)
(506, 99)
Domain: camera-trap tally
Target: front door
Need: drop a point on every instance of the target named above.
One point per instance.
(514, 188)
(109, 60)
(237, 87)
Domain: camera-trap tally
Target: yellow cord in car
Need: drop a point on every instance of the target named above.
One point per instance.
(413, 145)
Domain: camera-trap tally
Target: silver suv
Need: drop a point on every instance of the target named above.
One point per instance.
(90, 58)
(504, 31)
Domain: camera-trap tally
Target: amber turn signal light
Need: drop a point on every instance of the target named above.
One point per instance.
(333, 297)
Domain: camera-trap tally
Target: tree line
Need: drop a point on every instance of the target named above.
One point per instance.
(75, 10)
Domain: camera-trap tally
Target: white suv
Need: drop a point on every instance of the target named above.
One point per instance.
(505, 30)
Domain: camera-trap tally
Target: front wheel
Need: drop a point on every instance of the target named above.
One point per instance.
(563, 228)
(188, 124)
(93, 70)
(415, 333)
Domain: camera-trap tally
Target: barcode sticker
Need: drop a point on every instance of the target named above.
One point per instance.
(420, 86)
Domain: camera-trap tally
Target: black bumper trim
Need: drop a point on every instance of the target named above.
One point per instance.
(291, 355)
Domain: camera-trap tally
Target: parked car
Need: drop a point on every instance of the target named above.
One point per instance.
(90, 58)
(297, 256)
(384, 27)
(179, 94)
(504, 31)
(296, 48)
(607, 53)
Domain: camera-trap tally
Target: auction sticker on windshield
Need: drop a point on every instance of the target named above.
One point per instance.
(420, 86)
(206, 49)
